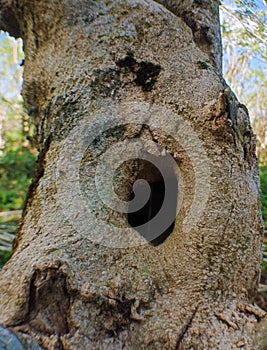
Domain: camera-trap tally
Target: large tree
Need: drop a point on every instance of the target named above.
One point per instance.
(121, 91)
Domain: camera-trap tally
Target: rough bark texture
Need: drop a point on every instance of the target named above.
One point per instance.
(196, 289)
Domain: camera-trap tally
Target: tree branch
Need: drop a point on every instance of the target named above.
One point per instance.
(9, 18)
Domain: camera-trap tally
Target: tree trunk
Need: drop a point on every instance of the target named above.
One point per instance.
(121, 91)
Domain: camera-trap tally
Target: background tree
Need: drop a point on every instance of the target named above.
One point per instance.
(17, 157)
(72, 287)
(244, 37)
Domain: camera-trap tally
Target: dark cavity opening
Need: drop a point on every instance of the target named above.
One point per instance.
(143, 216)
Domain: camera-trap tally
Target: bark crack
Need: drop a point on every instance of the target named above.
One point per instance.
(227, 222)
(179, 345)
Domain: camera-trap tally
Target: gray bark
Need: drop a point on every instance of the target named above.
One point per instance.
(74, 283)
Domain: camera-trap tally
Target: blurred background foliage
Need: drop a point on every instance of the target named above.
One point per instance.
(245, 63)
(244, 32)
(17, 156)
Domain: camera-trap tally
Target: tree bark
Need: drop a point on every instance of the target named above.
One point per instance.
(100, 75)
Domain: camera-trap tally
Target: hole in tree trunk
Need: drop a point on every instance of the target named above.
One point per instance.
(141, 220)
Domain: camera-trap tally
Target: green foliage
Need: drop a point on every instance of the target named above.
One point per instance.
(244, 41)
(4, 257)
(8, 225)
(263, 177)
(16, 171)
(17, 160)
(244, 32)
